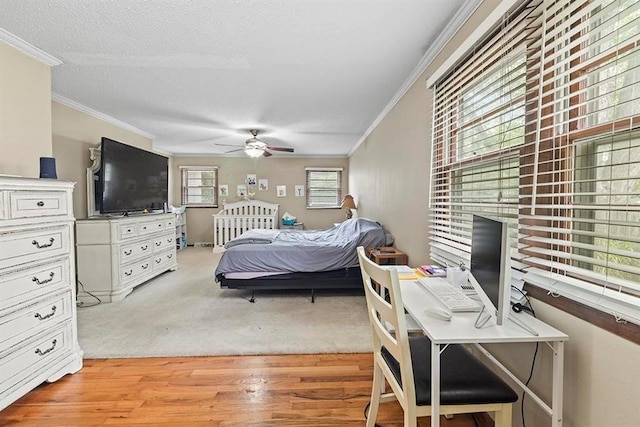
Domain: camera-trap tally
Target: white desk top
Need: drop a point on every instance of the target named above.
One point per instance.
(461, 329)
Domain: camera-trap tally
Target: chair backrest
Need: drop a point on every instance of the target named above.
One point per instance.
(384, 304)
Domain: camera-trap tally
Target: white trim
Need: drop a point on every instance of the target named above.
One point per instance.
(208, 168)
(28, 49)
(98, 115)
(313, 168)
(494, 17)
(445, 36)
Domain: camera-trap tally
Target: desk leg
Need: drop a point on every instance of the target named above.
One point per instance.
(435, 385)
(558, 376)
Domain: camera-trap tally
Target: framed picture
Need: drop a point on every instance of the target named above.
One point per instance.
(281, 191)
(299, 191)
(263, 184)
(223, 190)
(241, 190)
(251, 179)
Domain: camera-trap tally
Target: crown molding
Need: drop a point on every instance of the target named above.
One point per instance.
(441, 41)
(98, 115)
(28, 49)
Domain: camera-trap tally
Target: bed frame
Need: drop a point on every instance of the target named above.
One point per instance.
(238, 217)
(346, 278)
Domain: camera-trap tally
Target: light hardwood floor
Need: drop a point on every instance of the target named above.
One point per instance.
(297, 390)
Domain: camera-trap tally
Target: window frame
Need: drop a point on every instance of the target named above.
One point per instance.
(310, 191)
(184, 187)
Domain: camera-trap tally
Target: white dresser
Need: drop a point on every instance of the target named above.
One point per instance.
(38, 326)
(117, 254)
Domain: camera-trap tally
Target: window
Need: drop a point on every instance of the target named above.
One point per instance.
(539, 125)
(199, 186)
(324, 187)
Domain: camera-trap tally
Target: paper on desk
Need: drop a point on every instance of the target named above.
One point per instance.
(404, 271)
(517, 290)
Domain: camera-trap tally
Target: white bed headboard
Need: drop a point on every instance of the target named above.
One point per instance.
(238, 217)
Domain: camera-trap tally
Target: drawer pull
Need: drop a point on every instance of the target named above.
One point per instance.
(158, 260)
(144, 267)
(128, 252)
(128, 230)
(159, 225)
(128, 273)
(145, 247)
(169, 240)
(49, 350)
(40, 203)
(158, 243)
(46, 316)
(42, 282)
(44, 245)
(144, 228)
(170, 256)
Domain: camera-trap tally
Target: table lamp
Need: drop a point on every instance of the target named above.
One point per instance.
(348, 204)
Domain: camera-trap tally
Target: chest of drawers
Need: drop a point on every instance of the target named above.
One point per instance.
(117, 254)
(38, 326)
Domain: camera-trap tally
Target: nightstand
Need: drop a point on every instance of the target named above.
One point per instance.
(386, 254)
(295, 226)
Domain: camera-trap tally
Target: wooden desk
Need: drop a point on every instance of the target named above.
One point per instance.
(461, 330)
(387, 253)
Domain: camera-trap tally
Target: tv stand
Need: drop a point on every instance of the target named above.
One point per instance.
(117, 254)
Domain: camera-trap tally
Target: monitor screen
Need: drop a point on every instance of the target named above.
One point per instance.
(490, 265)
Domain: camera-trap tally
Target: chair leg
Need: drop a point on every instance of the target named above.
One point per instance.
(410, 418)
(376, 391)
(503, 417)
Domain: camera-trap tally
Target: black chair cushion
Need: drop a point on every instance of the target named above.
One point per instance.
(464, 379)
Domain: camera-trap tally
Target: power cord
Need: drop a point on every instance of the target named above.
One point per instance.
(527, 307)
(81, 304)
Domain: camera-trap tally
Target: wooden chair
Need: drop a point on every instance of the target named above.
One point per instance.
(466, 384)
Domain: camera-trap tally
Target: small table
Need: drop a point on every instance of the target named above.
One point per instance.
(387, 253)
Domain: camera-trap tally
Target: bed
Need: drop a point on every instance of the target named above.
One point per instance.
(268, 259)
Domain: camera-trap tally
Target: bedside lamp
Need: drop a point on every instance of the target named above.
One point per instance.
(348, 204)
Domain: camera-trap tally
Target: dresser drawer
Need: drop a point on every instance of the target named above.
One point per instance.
(33, 319)
(126, 231)
(34, 245)
(35, 355)
(163, 243)
(27, 285)
(170, 224)
(135, 270)
(150, 227)
(135, 250)
(162, 261)
(30, 204)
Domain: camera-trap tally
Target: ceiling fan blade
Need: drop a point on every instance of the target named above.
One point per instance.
(229, 145)
(266, 154)
(288, 150)
(233, 151)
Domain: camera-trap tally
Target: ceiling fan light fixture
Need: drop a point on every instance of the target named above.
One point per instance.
(253, 151)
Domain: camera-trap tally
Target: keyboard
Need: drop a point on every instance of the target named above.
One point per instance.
(452, 298)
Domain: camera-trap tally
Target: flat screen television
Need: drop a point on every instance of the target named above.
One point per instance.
(490, 271)
(131, 179)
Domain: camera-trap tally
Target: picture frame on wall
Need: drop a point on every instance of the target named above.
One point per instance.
(251, 179)
(281, 191)
(241, 190)
(263, 184)
(223, 190)
(299, 191)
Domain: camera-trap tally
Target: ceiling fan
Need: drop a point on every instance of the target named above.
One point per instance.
(253, 147)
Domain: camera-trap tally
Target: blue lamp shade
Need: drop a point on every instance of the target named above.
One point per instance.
(48, 167)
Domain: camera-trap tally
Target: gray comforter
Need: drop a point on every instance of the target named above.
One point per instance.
(300, 251)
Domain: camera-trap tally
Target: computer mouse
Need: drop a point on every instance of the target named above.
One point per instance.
(438, 313)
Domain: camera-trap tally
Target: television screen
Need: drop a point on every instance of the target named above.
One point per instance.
(131, 179)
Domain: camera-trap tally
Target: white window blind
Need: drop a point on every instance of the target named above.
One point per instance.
(569, 130)
(324, 187)
(199, 186)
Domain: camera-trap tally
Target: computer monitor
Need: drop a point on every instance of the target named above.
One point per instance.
(490, 272)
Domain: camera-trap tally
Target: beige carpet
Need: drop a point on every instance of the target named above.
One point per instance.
(185, 313)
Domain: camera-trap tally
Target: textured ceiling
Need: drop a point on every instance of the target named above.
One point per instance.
(310, 74)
